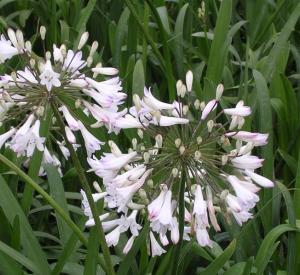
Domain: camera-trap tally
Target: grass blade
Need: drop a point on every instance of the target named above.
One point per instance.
(58, 194)
(218, 263)
(29, 242)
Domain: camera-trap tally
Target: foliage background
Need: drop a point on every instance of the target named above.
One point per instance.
(251, 46)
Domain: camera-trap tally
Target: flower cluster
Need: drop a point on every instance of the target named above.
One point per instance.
(62, 77)
(192, 159)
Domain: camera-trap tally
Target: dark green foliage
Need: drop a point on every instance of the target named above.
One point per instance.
(251, 46)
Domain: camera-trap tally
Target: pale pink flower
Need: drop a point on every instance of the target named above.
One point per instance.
(154, 103)
(260, 180)
(156, 249)
(210, 106)
(247, 162)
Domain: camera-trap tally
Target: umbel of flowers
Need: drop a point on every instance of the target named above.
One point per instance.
(193, 157)
(63, 77)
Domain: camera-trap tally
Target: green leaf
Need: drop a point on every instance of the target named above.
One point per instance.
(265, 125)
(58, 194)
(93, 248)
(138, 78)
(219, 49)
(130, 257)
(263, 255)
(165, 264)
(178, 40)
(84, 17)
(219, 262)
(29, 242)
(68, 249)
(237, 269)
(273, 57)
(297, 209)
(119, 37)
(18, 257)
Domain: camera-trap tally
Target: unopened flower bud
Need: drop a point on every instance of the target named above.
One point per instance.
(70, 136)
(28, 46)
(40, 111)
(202, 105)
(63, 50)
(238, 144)
(13, 76)
(143, 148)
(181, 150)
(175, 172)
(224, 159)
(20, 39)
(12, 37)
(178, 87)
(48, 55)
(241, 122)
(189, 80)
(77, 103)
(134, 143)
(94, 48)
(53, 120)
(197, 155)
(177, 142)
(6, 98)
(137, 102)
(146, 157)
(97, 187)
(32, 63)
(227, 142)
(150, 183)
(219, 91)
(83, 39)
(210, 125)
(157, 115)
(197, 104)
(99, 65)
(142, 194)
(199, 140)
(185, 109)
(193, 188)
(114, 148)
(183, 90)
(159, 140)
(224, 194)
(246, 149)
(89, 61)
(140, 133)
(43, 32)
(130, 150)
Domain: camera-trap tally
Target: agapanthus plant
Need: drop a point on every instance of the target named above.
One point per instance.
(190, 164)
(61, 78)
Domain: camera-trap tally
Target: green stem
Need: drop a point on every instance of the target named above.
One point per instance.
(181, 223)
(50, 200)
(84, 182)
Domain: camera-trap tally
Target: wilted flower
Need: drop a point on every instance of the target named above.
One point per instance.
(61, 78)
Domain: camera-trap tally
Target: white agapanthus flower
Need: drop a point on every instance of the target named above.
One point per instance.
(191, 168)
(28, 94)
